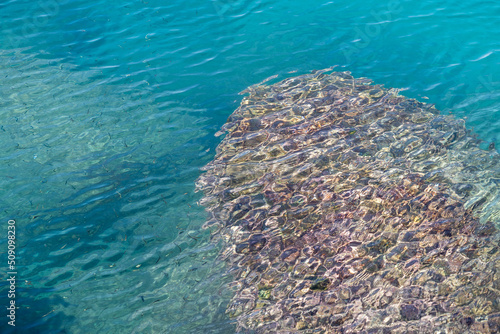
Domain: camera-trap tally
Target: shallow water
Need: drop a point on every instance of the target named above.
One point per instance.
(348, 208)
(109, 109)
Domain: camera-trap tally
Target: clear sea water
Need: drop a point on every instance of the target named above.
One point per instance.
(109, 108)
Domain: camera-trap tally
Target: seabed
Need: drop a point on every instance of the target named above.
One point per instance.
(348, 208)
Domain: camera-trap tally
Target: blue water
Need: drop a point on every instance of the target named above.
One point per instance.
(108, 109)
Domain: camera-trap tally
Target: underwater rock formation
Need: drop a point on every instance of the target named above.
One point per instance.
(347, 208)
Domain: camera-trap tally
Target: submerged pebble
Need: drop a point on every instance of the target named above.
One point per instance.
(347, 208)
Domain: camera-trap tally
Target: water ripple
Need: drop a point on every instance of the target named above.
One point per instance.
(108, 110)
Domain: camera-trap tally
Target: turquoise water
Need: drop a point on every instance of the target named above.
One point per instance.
(110, 108)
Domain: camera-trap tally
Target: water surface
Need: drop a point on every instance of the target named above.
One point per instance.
(108, 110)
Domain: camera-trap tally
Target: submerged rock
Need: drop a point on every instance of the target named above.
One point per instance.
(347, 208)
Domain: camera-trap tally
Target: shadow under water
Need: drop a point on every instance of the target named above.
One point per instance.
(349, 208)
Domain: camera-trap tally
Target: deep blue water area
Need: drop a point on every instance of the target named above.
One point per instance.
(108, 111)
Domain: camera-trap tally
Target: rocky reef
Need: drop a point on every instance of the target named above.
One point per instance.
(348, 208)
